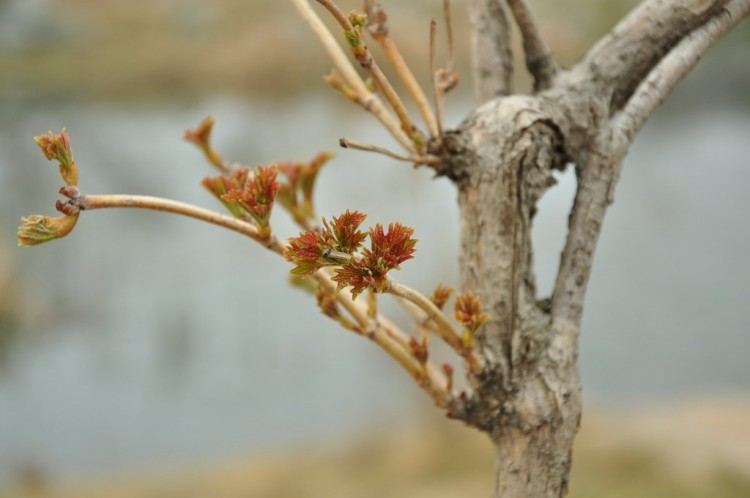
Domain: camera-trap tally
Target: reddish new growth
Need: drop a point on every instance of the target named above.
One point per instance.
(257, 195)
(344, 231)
(387, 251)
(222, 184)
(441, 295)
(419, 349)
(297, 194)
(58, 148)
(306, 251)
(391, 248)
(337, 245)
(469, 311)
(201, 136)
(341, 237)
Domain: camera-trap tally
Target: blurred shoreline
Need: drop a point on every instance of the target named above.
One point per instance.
(178, 51)
(692, 448)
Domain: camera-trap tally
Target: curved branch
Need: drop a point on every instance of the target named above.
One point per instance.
(599, 171)
(492, 58)
(87, 202)
(625, 56)
(381, 331)
(673, 67)
(539, 61)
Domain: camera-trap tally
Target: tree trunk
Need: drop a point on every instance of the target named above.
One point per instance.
(501, 159)
(530, 402)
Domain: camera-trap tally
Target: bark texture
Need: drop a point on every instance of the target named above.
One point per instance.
(501, 158)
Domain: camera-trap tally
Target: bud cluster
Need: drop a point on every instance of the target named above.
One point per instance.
(247, 193)
(339, 244)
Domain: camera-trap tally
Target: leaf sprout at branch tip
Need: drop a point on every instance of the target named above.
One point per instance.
(357, 269)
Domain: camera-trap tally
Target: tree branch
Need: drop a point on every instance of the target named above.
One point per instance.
(539, 59)
(87, 202)
(600, 166)
(365, 97)
(671, 69)
(380, 330)
(492, 59)
(362, 54)
(625, 56)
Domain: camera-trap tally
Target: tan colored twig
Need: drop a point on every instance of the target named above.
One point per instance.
(421, 321)
(426, 159)
(444, 328)
(436, 93)
(376, 22)
(393, 340)
(450, 60)
(443, 79)
(363, 55)
(369, 101)
(87, 202)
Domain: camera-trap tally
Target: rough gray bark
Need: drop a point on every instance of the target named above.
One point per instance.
(491, 56)
(501, 159)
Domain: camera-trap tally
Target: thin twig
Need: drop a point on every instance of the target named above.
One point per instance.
(86, 202)
(376, 22)
(371, 67)
(434, 381)
(539, 59)
(426, 159)
(369, 100)
(421, 320)
(394, 341)
(445, 328)
(449, 62)
(444, 79)
(436, 93)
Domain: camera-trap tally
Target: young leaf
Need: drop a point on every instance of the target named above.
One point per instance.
(306, 251)
(257, 196)
(58, 148)
(468, 311)
(390, 249)
(38, 229)
(343, 232)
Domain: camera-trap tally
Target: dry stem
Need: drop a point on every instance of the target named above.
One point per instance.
(443, 327)
(368, 100)
(426, 159)
(372, 68)
(86, 202)
(380, 33)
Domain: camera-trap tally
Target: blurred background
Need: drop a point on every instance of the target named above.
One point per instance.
(149, 355)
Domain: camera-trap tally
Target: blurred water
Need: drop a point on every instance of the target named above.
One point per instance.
(150, 338)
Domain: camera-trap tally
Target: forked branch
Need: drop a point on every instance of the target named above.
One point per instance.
(670, 70)
(648, 68)
(620, 61)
